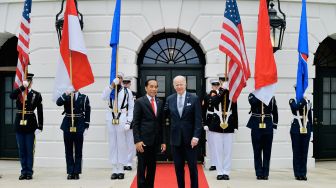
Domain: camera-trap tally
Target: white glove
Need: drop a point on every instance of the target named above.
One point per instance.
(206, 128)
(85, 132)
(235, 131)
(116, 81)
(37, 131)
(25, 83)
(311, 137)
(275, 131)
(127, 126)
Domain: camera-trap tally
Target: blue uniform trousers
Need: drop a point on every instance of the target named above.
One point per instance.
(26, 145)
(262, 148)
(73, 141)
(300, 145)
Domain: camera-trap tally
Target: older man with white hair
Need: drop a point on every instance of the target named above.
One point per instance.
(184, 111)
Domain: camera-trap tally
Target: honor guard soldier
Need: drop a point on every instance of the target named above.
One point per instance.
(224, 122)
(207, 115)
(27, 126)
(119, 118)
(300, 132)
(227, 125)
(129, 133)
(74, 125)
(263, 120)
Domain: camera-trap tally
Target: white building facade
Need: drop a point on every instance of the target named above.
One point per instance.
(141, 20)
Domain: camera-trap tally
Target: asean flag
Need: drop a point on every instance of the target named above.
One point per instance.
(72, 49)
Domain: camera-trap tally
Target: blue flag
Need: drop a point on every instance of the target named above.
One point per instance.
(302, 72)
(114, 42)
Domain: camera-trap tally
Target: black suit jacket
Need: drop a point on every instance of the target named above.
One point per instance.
(34, 101)
(146, 126)
(189, 125)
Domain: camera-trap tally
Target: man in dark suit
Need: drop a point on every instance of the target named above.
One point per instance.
(26, 124)
(73, 131)
(184, 110)
(148, 133)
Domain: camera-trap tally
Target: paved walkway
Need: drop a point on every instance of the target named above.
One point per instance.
(323, 176)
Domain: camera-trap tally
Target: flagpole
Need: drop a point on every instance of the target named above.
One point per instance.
(115, 103)
(23, 122)
(225, 125)
(72, 129)
(225, 76)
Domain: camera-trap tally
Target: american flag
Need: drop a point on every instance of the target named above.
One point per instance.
(23, 44)
(233, 45)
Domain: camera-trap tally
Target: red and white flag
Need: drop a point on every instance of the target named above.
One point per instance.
(233, 45)
(72, 48)
(23, 45)
(265, 68)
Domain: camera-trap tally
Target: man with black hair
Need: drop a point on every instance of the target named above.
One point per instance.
(148, 133)
(27, 126)
(119, 117)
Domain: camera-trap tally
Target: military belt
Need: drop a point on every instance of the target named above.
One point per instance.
(74, 115)
(260, 115)
(26, 112)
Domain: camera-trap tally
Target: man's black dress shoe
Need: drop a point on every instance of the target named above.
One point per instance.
(76, 176)
(304, 178)
(70, 177)
(226, 177)
(121, 176)
(114, 176)
(220, 177)
(260, 177)
(265, 177)
(22, 177)
(298, 178)
(212, 168)
(29, 177)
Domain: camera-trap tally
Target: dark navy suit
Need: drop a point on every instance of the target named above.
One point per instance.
(300, 142)
(25, 133)
(73, 140)
(147, 128)
(182, 130)
(262, 138)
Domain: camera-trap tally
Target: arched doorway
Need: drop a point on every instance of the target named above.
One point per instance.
(325, 100)
(8, 62)
(165, 56)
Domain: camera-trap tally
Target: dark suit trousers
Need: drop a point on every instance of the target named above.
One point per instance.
(262, 146)
(71, 141)
(300, 145)
(180, 154)
(26, 144)
(146, 167)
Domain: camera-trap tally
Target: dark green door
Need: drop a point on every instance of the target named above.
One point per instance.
(165, 77)
(8, 147)
(325, 114)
